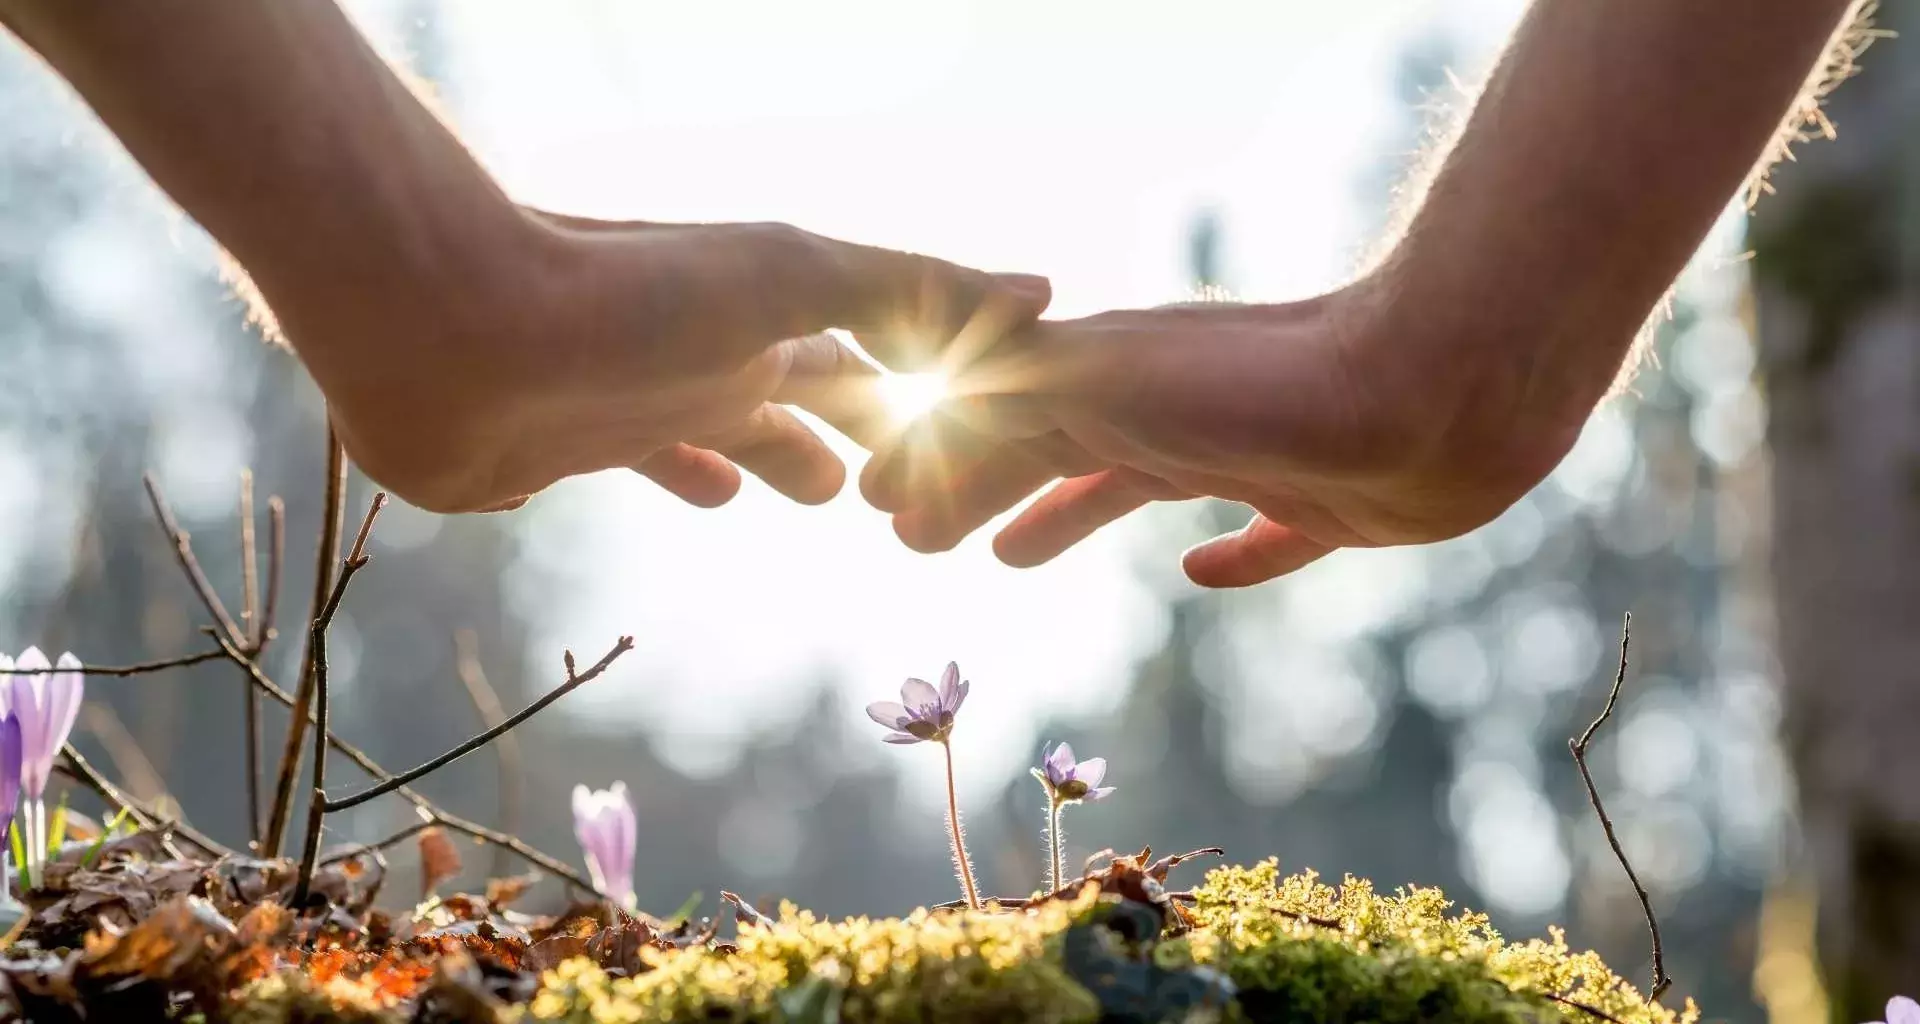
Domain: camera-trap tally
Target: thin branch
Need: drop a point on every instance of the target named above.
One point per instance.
(78, 769)
(276, 557)
(544, 861)
(574, 682)
(1661, 980)
(317, 658)
(183, 551)
(486, 704)
(249, 560)
(250, 620)
(381, 845)
(1582, 1007)
(122, 670)
(332, 525)
(123, 750)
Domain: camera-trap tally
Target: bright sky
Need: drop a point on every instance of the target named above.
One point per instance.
(1073, 138)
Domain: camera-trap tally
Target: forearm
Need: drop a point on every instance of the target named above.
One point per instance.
(1607, 141)
(281, 131)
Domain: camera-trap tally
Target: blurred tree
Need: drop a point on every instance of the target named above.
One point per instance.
(1837, 261)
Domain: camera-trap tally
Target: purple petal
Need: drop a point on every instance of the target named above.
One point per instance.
(30, 705)
(1099, 794)
(9, 769)
(6, 696)
(67, 690)
(1901, 1010)
(1060, 763)
(950, 686)
(918, 693)
(900, 738)
(887, 713)
(1091, 771)
(959, 697)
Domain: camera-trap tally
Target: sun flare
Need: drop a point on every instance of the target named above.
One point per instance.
(908, 396)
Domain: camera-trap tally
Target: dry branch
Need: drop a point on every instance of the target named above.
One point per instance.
(1661, 980)
(317, 661)
(574, 682)
(140, 668)
(507, 754)
(332, 526)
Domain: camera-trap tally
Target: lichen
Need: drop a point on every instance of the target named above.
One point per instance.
(1372, 957)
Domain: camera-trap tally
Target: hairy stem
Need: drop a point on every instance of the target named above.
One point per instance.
(1056, 847)
(962, 865)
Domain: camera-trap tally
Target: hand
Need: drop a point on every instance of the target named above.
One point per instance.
(1340, 420)
(586, 345)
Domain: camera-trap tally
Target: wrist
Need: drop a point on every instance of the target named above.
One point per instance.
(1481, 401)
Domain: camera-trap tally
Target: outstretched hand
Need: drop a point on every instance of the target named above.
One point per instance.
(1326, 417)
(597, 345)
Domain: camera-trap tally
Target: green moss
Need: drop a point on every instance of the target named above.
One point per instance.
(1390, 958)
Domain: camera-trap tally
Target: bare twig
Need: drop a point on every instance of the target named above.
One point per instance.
(1578, 746)
(250, 621)
(317, 659)
(78, 769)
(574, 682)
(1582, 1007)
(249, 560)
(486, 703)
(544, 861)
(183, 551)
(382, 845)
(123, 750)
(276, 556)
(141, 668)
(332, 525)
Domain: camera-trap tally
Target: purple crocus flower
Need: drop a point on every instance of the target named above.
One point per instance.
(923, 714)
(46, 705)
(1901, 1010)
(603, 821)
(1070, 781)
(9, 772)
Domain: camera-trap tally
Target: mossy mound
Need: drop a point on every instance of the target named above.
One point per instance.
(1265, 948)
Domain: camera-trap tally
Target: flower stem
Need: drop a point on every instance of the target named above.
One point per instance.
(1053, 841)
(962, 865)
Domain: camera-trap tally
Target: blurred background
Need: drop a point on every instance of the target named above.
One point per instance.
(1401, 715)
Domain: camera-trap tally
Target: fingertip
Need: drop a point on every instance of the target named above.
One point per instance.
(1260, 552)
(1031, 289)
(823, 488)
(1007, 547)
(506, 506)
(921, 535)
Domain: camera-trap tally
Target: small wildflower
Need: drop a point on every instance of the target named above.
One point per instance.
(923, 714)
(1067, 781)
(1901, 1010)
(604, 823)
(1070, 781)
(45, 705)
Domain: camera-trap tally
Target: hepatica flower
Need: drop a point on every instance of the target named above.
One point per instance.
(1067, 781)
(603, 821)
(1901, 1010)
(44, 704)
(925, 714)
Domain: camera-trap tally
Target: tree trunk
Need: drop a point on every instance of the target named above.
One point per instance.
(1837, 285)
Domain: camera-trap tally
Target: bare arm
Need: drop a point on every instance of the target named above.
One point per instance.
(282, 132)
(1608, 139)
(1425, 398)
(471, 351)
